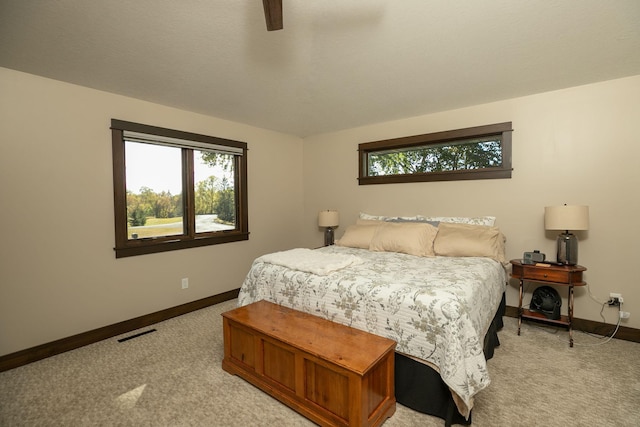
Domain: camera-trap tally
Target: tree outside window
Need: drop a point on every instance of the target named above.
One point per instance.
(482, 152)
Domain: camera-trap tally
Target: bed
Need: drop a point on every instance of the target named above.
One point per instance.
(436, 288)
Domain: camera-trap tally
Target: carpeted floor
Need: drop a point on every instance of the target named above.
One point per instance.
(173, 377)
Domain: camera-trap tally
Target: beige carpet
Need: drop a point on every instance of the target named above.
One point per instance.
(173, 377)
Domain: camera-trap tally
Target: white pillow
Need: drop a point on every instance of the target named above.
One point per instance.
(386, 218)
(476, 220)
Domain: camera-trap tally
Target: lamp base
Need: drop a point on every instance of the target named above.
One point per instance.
(328, 236)
(567, 248)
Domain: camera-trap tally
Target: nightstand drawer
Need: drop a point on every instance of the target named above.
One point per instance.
(546, 275)
(561, 275)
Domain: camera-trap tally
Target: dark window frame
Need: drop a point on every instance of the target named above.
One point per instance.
(502, 172)
(125, 247)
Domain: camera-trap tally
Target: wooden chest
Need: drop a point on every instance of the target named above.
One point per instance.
(330, 373)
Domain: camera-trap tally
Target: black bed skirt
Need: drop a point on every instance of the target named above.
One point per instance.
(419, 387)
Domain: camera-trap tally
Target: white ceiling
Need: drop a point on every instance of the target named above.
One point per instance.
(337, 64)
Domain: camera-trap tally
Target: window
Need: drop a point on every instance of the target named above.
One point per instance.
(176, 190)
(482, 152)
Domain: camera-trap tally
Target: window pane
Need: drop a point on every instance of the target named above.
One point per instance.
(478, 153)
(214, 191)
(154, 190)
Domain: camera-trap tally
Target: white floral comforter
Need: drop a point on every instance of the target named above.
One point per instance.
(436, 309)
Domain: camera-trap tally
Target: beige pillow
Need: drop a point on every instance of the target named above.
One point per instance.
(469, 240)
(358, 236)
(406, 237)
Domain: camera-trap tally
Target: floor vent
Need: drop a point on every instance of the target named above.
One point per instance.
(136, 335)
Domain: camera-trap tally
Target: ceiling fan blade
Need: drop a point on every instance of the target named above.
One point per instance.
(273, 14)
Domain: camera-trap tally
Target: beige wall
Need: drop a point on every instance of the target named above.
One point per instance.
(574, 146)
(59, 275)
(58, 272)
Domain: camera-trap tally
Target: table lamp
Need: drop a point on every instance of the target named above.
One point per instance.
(567, 218)
(328, 219)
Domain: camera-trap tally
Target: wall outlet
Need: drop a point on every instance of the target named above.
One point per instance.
(185, 283)
(615, 299)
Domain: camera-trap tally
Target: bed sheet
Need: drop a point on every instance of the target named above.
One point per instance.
(437, 309)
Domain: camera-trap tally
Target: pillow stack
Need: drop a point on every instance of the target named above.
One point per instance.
(427, 236)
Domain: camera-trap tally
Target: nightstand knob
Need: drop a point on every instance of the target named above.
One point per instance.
(545, 276)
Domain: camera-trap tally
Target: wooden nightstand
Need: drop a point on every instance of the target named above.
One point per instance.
(566, 275)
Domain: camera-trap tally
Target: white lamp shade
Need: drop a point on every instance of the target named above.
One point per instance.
(328, 218)
(566, 217)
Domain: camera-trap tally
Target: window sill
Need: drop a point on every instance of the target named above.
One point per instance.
(437, 176)
(149, 247)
